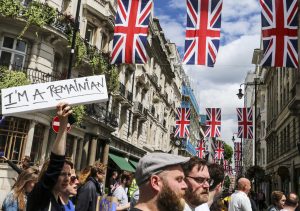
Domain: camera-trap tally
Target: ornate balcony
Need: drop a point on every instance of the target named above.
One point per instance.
(100, 114)
(138, 109)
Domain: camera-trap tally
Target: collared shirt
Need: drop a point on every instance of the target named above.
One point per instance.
(202, 207)
(239, 202)
(188, 208)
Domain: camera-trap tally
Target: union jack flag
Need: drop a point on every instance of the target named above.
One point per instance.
(183, 122)
(245, 123)
(238, 151)
(219, 150)
(202, 32)
(131, 29)
(225, 165)
(213, 121)
(201, 148)
(237, 166)
(279, 33)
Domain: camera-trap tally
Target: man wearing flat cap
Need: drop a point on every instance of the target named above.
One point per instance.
(161, 182)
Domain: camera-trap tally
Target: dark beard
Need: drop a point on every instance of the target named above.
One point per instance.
(194, 199)
(169, 200)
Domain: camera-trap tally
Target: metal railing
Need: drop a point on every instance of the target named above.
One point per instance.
(122, 89)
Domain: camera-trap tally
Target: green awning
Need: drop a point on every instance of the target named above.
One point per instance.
(121, 162)
(133, 163)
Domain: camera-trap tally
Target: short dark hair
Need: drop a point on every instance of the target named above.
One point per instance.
(126, 176)
(194, 161)
(216, 173)
(291, 201)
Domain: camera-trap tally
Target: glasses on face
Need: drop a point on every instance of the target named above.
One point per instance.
(73, 178)
(202, 180)
(65, 174)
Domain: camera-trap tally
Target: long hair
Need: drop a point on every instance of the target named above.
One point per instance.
(28, 175)
(91, 171)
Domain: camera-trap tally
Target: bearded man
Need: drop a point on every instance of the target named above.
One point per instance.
(160, 179)
(198, 182)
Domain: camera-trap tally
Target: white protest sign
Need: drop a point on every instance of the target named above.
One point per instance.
(45, 96)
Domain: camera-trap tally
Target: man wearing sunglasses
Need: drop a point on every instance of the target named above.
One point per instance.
(198, 182)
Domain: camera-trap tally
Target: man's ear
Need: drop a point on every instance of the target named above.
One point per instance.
(156, 183)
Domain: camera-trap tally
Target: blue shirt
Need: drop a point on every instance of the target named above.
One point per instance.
(70, 206)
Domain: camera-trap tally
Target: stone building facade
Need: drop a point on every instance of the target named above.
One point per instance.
(138, 118)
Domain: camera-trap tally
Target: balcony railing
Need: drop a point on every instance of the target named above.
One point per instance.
(122, 89)
(154, 78)
(63, 23)
(99, 113)
(138, 107)
(129, 96)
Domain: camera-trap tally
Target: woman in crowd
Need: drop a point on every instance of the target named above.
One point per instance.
(91, 179)
(278, 201)
(16, 200)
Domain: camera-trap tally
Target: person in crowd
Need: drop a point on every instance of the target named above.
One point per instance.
(291, 203)
(88, 197)
(216, 173)
(71, 191)
(133, 187)
(160, 179)
(261, 199)
(278, 200)
(252, 197)
(120, 193)
(198, 181)
(239, 199)
(56, 177)
(25, 163)
(16, 200)
(112, 182)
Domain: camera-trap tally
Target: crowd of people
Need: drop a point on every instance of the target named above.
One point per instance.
(161, 182)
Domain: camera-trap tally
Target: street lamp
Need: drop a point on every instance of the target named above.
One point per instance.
(240, 95)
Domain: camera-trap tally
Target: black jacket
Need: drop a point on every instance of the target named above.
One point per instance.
(41, 195)
(88, 196)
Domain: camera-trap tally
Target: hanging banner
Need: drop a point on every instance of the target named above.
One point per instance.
(45, 96)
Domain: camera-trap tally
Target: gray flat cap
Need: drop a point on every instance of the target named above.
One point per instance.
(155, 162)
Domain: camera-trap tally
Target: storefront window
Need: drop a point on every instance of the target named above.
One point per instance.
(13, 134)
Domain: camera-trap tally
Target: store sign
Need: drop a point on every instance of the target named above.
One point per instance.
(45, 96)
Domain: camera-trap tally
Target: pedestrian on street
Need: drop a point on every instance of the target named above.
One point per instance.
(278, 201)
(56, 177)
(16, 200)
(291, 203)
(160, 179)
(216, 173)
(261, 198)
(112, 183)
(71, 191)
(239, 199)
(90, 191)
(120, 193)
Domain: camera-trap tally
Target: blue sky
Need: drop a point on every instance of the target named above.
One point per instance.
(240, 35)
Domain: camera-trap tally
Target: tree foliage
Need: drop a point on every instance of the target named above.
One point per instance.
(10, 78)
(228, 152)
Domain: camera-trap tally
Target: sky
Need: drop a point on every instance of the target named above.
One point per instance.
(240, 34)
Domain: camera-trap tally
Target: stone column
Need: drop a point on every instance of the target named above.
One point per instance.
(35, 53)
(79, 156)
(44, 144)
(92, 153)
(74, 148)
(85, 153)
(29, 138)
(105, 155)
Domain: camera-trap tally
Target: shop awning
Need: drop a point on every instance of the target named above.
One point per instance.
(121, 162)
(133, 163)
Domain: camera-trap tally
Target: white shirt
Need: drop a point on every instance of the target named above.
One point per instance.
(121, 195)
(202, 207)
(188, 208)
(239, 202)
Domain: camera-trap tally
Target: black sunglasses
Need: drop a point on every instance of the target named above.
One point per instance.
(73, 178)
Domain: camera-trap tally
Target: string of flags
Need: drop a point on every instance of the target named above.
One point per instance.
(203, 28)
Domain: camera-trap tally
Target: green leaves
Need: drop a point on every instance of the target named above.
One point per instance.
(11, 8)
(78, 113)
(10, 78)
(35, 13)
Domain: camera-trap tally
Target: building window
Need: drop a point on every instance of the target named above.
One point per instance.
(12, 53)
(13, 134)
(37, 142)
(89, 34)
